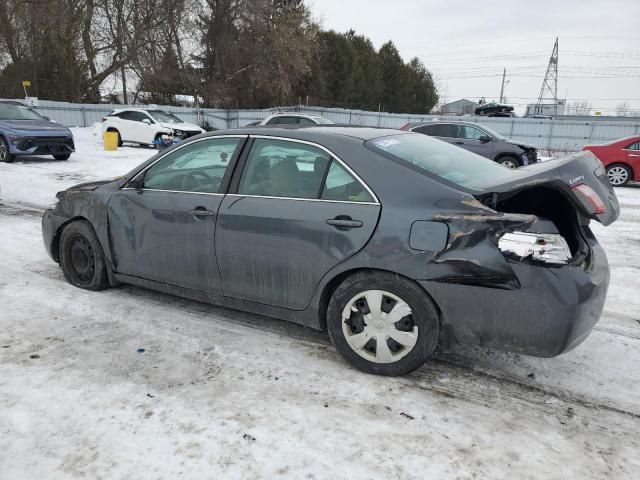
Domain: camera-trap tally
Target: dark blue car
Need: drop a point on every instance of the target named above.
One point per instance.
(25, 132)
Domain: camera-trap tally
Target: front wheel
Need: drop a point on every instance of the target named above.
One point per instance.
(81, 257)
(509, 162)
(62, 157)
(382, 323)
(5, 154)
(618, 174)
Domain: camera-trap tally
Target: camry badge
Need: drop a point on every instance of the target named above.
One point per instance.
(576, 179)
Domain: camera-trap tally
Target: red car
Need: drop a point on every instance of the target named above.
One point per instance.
(621, 158)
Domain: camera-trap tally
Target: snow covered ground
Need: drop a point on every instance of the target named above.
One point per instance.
(223, 394)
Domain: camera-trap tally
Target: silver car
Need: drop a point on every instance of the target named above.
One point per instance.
(479, 139)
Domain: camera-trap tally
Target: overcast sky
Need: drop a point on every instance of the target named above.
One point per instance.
(466, 44)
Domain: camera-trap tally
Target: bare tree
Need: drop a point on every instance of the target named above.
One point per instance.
(579, 108)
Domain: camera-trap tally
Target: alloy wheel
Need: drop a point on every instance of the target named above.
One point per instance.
(508, 163)
(3, 152)
(379, 327)
(618, 176)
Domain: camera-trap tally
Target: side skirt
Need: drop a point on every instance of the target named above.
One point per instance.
(307, 317)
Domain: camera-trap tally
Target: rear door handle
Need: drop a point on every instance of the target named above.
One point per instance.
(201, 212)
(344, 223)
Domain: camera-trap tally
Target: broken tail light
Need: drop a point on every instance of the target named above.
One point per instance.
(545, 247)
(590, 198)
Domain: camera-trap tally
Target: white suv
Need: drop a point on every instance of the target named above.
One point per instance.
(147, 126)
(293, 119)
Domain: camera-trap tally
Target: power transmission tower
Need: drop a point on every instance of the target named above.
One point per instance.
(549, 90)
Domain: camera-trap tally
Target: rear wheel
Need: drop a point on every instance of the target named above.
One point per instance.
(81, 257)
(5, 154)
(509, 162)
(618, 174)
(62, 157)
(382, 323)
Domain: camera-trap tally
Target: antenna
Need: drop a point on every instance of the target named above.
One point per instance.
(549, 90)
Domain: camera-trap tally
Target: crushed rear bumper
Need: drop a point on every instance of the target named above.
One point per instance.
(552, 312)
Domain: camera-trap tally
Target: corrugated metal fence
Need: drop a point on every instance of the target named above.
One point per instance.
(563, 134)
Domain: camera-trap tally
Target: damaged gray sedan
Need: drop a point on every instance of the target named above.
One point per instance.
(395, 243)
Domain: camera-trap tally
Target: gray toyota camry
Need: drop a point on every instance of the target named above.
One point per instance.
(393, 242)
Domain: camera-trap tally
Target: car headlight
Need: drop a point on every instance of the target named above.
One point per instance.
(545, 247)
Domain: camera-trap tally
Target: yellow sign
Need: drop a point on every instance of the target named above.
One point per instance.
(597, 114)
(26, 83)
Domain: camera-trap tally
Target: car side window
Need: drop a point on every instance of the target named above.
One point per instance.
(340, 185)
(305, 121)
(425, 130)
(281, 168)
(444, 130)
(196, 167)
(137, 116)
(472, 133)
(634, 146)
(284, 121)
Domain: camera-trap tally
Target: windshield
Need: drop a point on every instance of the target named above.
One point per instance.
(164, 117)
(431, 156)
(11, 111)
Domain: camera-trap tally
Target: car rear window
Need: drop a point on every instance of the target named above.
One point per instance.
(434, 157)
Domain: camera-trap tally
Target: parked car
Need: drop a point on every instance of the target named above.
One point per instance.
(494, 109)
(392, 241)
(290, 118)
(479, 139)
(23, 131)
(147, 126)
(621, 158)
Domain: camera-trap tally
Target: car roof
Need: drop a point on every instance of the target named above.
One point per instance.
(137, 109)
(313, 132)
(440, 122)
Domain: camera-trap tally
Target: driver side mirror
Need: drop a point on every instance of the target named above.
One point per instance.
(147, 121)
(137, 183)
(485, 138)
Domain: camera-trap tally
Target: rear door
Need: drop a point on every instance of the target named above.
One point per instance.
(162, 223)
(297, 212)
(633, 154)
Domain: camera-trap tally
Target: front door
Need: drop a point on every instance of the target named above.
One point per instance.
(471, 140)
(162, 224)
(297, 213)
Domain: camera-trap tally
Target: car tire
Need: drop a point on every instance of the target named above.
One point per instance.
(81, 257)
(348, 313)
(5, 155)
(509, 162)
(619, 174)
(62, 157)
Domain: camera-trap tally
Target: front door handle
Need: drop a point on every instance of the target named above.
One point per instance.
(459, 143)
(201, 212)
(344, 222)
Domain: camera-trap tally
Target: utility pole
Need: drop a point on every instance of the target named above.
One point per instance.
(504, 74)
(549, 90)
